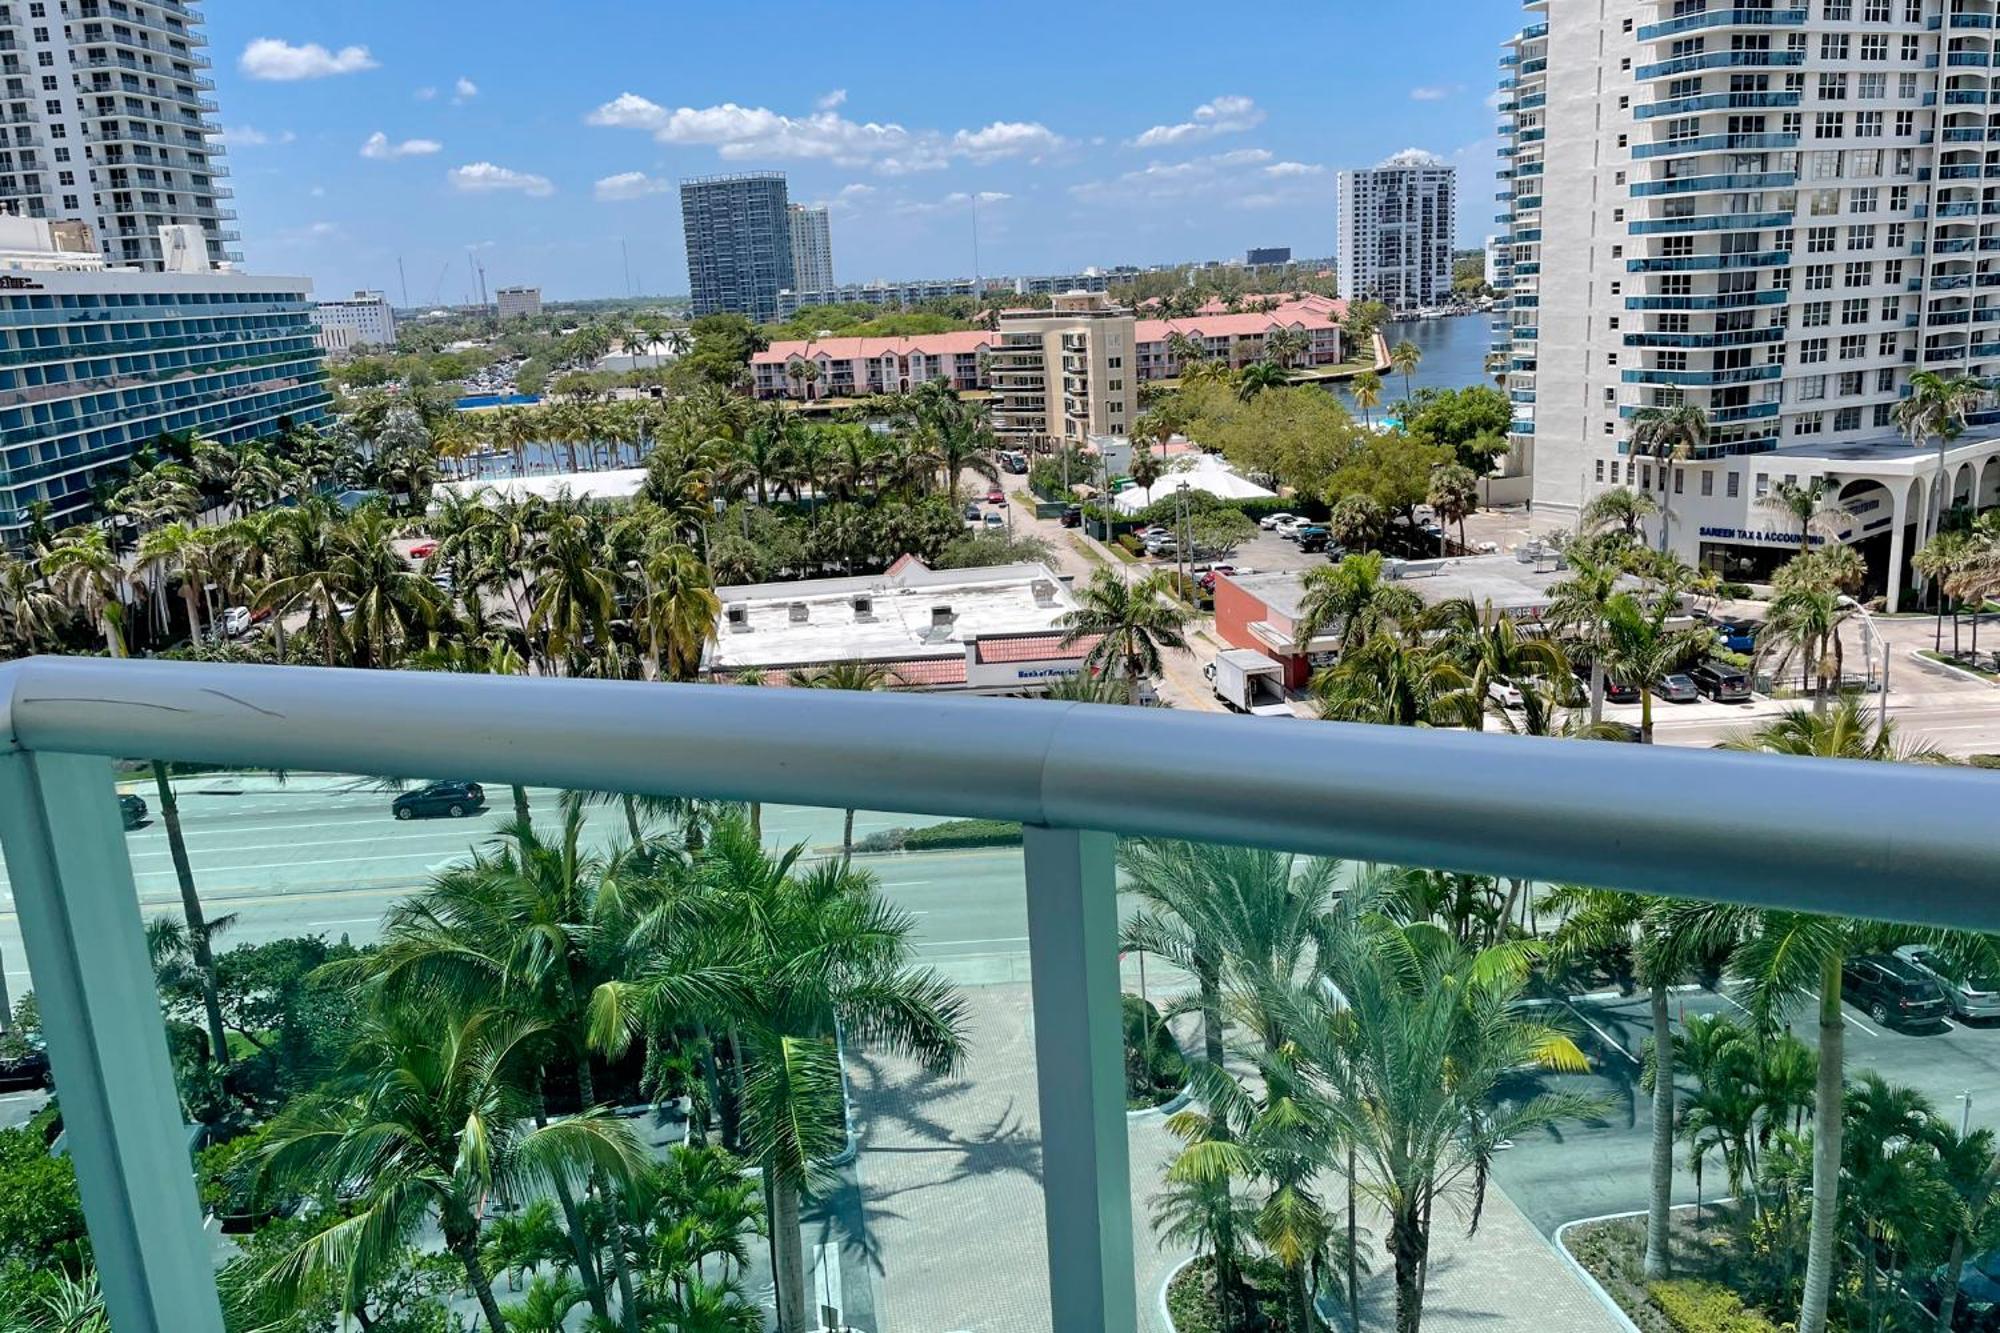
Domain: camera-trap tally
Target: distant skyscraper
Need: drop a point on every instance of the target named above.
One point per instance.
(739, 243)
(518, 302)
(812, 250)
(121, 101)
(1259, 256)
(1396, 231)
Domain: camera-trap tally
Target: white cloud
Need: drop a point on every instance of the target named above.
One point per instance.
(954, 202)
(464, 90)
(831, 100)
(737, 132)
(1228, 114)
(426, 93)
(277, 60)
(1240, 178)
(629, 185)
(1436, 92)
(249, 136)
(484, 177)
(1495, 98)
(381, 149)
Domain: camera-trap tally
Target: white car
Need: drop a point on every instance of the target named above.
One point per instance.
(236, 621)
(1974, 997)
(1504, 692)
(1288, 527)
(1270, 521)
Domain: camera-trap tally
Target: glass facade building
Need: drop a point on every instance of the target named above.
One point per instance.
(95, 364)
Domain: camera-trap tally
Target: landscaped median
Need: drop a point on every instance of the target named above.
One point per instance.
(952, 833)
(1612, 1251)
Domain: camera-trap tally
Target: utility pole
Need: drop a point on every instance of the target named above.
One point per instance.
(625, 255)
(403, 280)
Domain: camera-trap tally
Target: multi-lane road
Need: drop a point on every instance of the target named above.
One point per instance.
(315, 854)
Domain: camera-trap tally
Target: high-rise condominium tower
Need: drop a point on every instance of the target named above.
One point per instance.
(1397, 221)
(108, 121)
(1773, 214)
(739, 243)
(812, 249)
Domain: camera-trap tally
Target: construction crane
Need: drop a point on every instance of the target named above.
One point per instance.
(437, 290)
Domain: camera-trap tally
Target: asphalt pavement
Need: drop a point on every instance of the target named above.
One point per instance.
(1587, 1170)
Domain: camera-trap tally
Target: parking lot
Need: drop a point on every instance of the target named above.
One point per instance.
(1590, 1169)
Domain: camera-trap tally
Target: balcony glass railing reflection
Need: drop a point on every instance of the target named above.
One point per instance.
(1023, 936)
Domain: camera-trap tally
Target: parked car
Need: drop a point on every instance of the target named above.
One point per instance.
(1678, 688)
(133, 808)
(1737, 637)
(994, 520)
(1014, 461)
(1072, 516)
(1206, 579)
(422, 550)
(236, 621)
(456, 799)
(1313, 537)
(1271, 521)
(1615, 691)
(1973, 996)
(24, 1068)
(1157, 546)
(1153, 530)
(1893, 990)
(972, 511)
(1721, 682)
(1288, 527)
(1504, 692)
(996, 496)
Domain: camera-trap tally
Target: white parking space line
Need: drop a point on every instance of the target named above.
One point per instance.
(943, 944)
(1814, 997)
(1604, 1036)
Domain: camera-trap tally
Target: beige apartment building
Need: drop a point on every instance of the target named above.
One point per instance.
(1065, 373)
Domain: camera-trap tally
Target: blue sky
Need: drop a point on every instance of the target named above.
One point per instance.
(540, 136)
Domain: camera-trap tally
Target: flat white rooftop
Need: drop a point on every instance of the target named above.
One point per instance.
(907, 614)
(612, 484)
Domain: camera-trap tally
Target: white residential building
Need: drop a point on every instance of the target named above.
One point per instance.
(812, 249)
(363, 318)
(519, 302)
(1774, 213)
(111, 124)
(1397, 223)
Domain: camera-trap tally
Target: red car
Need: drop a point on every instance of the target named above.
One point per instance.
(422, 550)
(996, 496)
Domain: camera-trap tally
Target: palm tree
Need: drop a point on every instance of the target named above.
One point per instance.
(1812, 506)
(1580, 606)
(177, 551)
(1489, 649)
(1935, 408)
(1941, 560)
(1972, 1169)
(1183, 351)
(518, 1243)
(81, 569)
(428, 1119)
(1785, 955)
(859, 982)
(1258, 376)
(1205, 1216)
(1620, 507)
(1641, 650)
(1367, 391)
(1600, 921)
(1390, 683)
(1668, 435)
(1408, 1065)
(679, 610)
(1454, 493)
(1285, 345)
(1404, 358)
(1132, 623)
(1354, 596)
(198, 927)
(1807, 623)
(546, 1306)
(863, 676)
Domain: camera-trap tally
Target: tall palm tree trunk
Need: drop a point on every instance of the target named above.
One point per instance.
(520, 803)
(1954, 1266)
(1407, 1245)
(628, 1304)
(847, 838)
(1659, 1255)
(191, 596)
(1826, 1153)
(197, 925)
(790, 1260)
(1596, 689)
(466, 1247)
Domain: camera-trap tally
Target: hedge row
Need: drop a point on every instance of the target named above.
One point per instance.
(1704, 1307)
(950, 833)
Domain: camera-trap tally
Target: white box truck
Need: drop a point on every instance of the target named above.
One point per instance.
(1249, 682)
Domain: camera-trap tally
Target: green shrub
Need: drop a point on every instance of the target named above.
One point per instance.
(938, 837)
(1704, 1307)
(1155, 1069)
(1131, 543)
(1984, 760)
(1735, 591)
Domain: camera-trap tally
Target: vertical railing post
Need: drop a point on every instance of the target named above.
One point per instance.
(1080, 1076)
(65, 847)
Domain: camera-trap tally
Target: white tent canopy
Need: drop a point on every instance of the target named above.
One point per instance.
(613, 484)
(1202, 472)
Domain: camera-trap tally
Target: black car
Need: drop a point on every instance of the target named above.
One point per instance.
(1893, 991)
(134, 810)
(456, 799)
(1615, 691)
(1313, 537)
(23, 1066)
(1072, 516)
(1721, 682)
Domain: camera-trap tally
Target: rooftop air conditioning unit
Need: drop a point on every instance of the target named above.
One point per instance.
(942, 618)
(864, 607)
(797, 612)
(1045, 592)
(739, 618)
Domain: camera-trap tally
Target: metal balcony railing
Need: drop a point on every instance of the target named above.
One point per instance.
(1817, 835)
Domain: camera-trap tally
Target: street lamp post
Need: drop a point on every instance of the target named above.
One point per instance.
(1872, 645)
